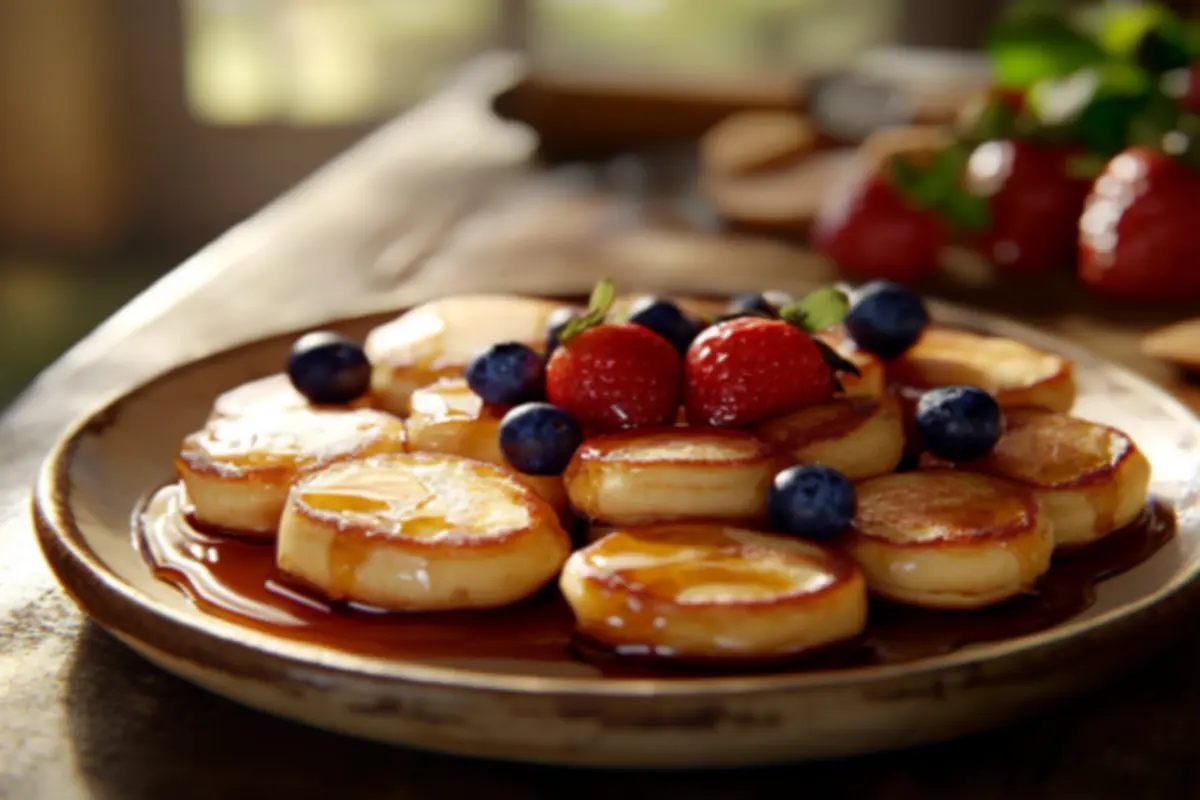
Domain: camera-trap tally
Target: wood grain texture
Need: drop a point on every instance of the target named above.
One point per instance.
(442, 200)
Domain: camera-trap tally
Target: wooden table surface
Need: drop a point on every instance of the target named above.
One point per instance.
(443, 200)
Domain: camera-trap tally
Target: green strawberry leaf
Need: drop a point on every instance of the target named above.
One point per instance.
(994, 119)
(1147, 34)
(1033, 41)
(835, 360)
(938, 187)
(1154, 121)
(966, 211)
(1184, 143)
(907, 177)
(598, 305)
(817, 310)
(1095, 107)
(925, 186)
(1085, 166)
(945, 172)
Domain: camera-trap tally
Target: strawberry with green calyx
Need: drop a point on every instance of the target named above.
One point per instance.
(599, 304)
(748, 369)
(1095, 107)
(1088, 71)
(613, 376)
(1034, 196)
(886, 224)
(1092, 82)
(1031, 169)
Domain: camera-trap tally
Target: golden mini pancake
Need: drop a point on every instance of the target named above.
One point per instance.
(857, 436)
(1090, 479)
(784, 200)
(948, 539)
(751, 142)
(1016, 374)
(437, 339)
(872, 382)
(671, 474)
(419, 532)
(447, 417)
(274, 393)
(237, 470)
(695, 591)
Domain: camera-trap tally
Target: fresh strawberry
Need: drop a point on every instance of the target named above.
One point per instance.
(747, 369)
(613, 376)
(870, 230)
(1034, 203)
(1137, 236)
(616, 377)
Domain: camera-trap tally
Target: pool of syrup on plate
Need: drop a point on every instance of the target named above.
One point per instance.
(235, 579)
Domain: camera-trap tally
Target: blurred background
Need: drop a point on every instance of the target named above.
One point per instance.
(132, 132)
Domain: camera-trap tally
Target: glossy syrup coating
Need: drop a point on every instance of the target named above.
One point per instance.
(419, 532)
(948, 539)
(1090, 479)
(710, 591)
(737, 580)
(237, 580)
(238, 470)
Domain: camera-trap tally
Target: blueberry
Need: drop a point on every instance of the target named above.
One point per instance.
(811, 501)
(506, 374)
(328, 368)
(666, 319)
(886, 319)
(959, 423)
(559, 318)
(539, 439)
(767, 303)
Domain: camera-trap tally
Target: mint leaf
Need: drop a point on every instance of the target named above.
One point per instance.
(598, 305)
(818, 310)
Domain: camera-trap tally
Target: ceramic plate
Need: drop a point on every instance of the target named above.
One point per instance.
(103, 469)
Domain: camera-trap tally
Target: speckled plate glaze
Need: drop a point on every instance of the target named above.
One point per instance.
(110, 460)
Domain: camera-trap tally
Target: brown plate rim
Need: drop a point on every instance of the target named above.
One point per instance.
(96, 588)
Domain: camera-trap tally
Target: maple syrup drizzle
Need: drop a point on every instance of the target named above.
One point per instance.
(235, 579)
